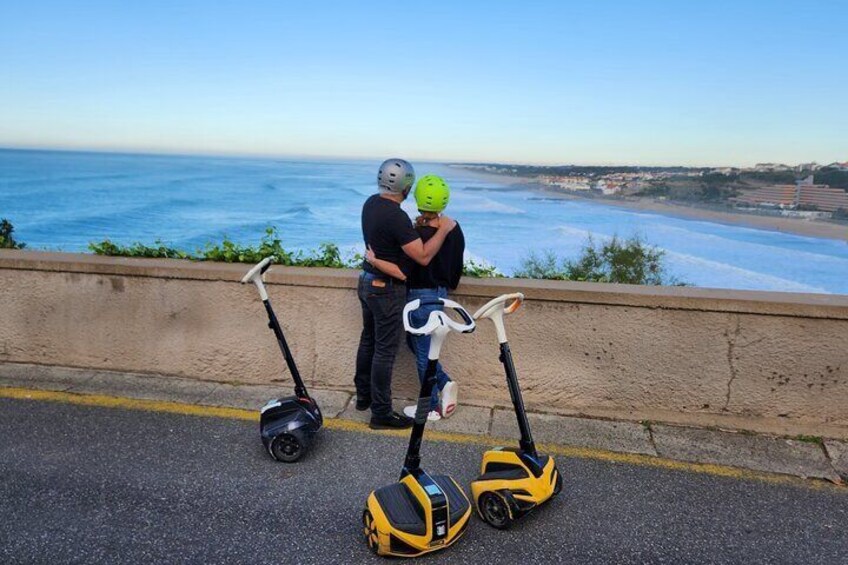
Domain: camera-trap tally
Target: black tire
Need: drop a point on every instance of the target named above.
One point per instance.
(558, 483)
(289, 447)
(494, 509)
(370, 531)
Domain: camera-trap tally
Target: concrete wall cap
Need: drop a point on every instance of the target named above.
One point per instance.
(791, 304)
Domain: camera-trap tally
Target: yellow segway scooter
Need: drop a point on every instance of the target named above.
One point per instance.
(512, 481)
(422, 512)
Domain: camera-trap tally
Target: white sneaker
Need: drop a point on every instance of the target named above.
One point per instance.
(448, 401)
(433, 416)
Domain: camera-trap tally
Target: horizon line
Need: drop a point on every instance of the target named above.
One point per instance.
(312, 157)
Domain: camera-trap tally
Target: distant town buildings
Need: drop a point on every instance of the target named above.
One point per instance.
(608, 184)
(771, 168)
(804, 199)
(803, 195)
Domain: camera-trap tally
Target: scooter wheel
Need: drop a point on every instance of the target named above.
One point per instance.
(370, 530)
(289, 447)
(558, 483)
(495, 510)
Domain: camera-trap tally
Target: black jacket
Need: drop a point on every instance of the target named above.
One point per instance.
(446, 267)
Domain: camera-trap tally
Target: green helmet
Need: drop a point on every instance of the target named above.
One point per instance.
(432, 193)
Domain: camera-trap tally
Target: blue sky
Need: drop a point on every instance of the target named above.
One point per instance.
(543, 82)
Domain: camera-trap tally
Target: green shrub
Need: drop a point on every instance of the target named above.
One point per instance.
(328, 254)
(160, 250)
(477, 270)
(230, 252)
(543, 266)
(629, 261)
(7, 241)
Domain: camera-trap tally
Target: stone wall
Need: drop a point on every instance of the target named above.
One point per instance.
(773, 362)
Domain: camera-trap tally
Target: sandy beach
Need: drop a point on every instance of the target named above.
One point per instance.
(797, 226)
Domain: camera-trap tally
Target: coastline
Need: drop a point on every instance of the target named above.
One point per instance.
(794, 226)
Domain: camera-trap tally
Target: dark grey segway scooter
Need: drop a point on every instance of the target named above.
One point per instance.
(288, 424)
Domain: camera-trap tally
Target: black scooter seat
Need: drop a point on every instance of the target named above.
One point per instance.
(507, 475)
(404, 511)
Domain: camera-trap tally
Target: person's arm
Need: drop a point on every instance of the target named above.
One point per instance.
(459, 256)
(422, 253)
(384, 266)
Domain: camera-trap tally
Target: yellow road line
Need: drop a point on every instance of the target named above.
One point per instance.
(338, 424)
(128, 403)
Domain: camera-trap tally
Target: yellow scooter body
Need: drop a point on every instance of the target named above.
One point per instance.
(410, 518)
(511, 484)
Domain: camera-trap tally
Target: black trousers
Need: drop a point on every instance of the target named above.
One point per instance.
(382, 326)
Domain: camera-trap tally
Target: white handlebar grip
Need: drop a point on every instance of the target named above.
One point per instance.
(516, 304)
(411, 306)
(254, 275)
(433, 322)
(257, 269)
(469, 324)
(497, 304)
(495, 310)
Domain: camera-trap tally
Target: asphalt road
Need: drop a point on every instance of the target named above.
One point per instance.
(104, 485)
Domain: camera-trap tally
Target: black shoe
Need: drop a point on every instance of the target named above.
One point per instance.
(363, 403)
(391, 422)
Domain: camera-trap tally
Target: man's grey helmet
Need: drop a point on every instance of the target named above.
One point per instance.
(396, 176)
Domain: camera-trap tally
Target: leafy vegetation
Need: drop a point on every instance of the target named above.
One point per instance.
(629, 261)
(327, 255)
(619, 261)
(7, 240)
(159, 250)
(477, 270)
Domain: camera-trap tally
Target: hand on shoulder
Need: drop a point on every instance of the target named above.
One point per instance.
(446, 222)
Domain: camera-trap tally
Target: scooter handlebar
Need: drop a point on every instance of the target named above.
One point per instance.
(258, 269)
(437, 318)
(254, 275)
(492, 306)
(469, 320)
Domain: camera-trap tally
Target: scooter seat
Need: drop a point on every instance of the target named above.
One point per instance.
(402, 509)
(507, 475)
(457, 503)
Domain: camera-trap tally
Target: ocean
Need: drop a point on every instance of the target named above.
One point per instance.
(65, 200)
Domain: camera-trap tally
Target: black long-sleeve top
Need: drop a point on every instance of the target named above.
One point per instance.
(445, 268)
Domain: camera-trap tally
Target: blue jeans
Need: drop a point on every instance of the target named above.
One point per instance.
(420, 344)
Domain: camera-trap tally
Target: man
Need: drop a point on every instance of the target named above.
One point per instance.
(389, 233)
